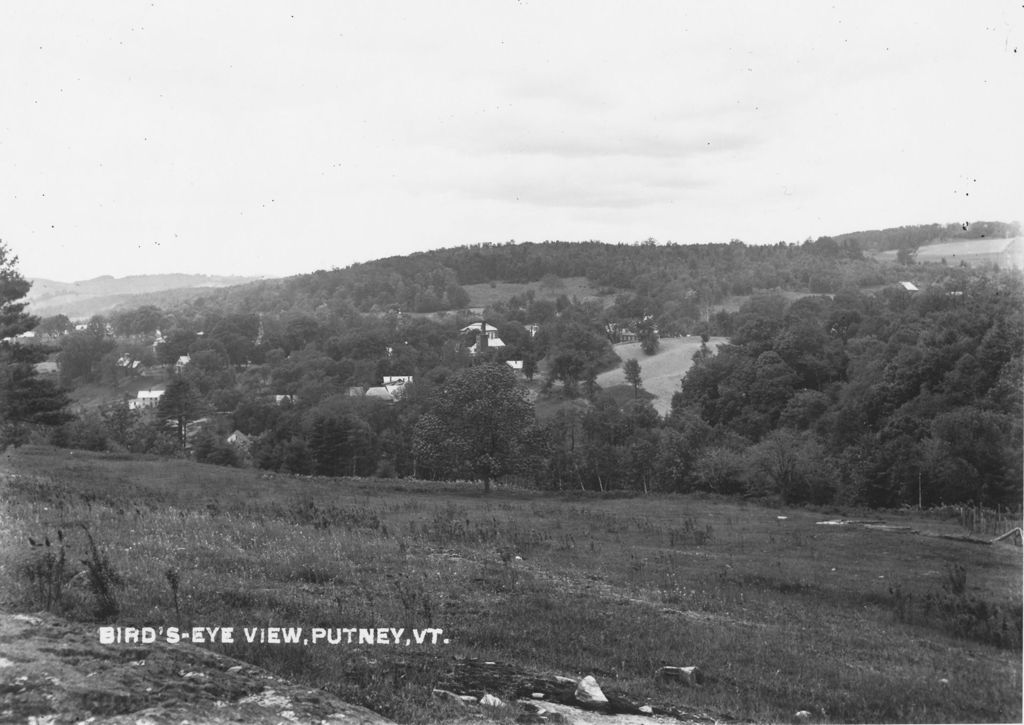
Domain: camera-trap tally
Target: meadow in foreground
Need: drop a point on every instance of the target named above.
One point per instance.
(850, 623)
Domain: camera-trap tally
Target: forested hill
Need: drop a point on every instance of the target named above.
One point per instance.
(838, 384)
(659, 275)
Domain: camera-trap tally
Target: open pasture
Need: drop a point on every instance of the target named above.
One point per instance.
(662, 372)
(850, 623)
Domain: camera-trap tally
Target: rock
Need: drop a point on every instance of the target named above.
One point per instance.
(446, 695)
(589, 695)
(686, 675)
(803, 715)
(647, 709)
(537, 695)
(489, 700)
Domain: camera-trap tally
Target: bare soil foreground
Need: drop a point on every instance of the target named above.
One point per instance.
(55, 671)
(893, 616)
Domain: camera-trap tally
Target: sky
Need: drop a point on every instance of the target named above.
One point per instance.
(273, 138)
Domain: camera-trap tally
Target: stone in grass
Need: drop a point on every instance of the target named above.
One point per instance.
(489, 700)
(646, 709)
(589, 695)
(686, 675)
(452, 697)
(803, 715)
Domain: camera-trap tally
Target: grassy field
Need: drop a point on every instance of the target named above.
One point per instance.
(660, 373)
(850, 623)
(974, 252)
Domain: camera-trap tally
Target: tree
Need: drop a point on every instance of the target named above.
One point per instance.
(631, 369)
(479, 424)
(25, 399)
(648, 336)
(180, 403)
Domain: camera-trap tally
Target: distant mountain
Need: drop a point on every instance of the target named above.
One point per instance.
(81, 300)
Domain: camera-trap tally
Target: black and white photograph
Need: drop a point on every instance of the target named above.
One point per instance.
(511, 362)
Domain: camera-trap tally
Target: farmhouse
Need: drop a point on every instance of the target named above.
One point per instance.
(486, 336)
(381, 393)
(183, 360)
(240, 440)
(145, 399)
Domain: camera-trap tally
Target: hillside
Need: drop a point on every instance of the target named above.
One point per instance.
(1007, 253)
(900, 617)
(81, 300)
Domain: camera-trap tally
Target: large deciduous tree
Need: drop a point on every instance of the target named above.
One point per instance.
(479, 424)
(631, 369)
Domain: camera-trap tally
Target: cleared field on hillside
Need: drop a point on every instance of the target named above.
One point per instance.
(850, 623)
(974, 252)
(660, 373)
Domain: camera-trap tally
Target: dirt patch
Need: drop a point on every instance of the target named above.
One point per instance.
(57, 672)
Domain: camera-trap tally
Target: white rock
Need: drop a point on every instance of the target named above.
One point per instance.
(449, 695)
(589, 693)
(686, 675)
(803, 715)
(646, 709)
(489, 700)
(537, 695)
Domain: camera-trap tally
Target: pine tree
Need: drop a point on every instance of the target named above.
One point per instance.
(25, 399)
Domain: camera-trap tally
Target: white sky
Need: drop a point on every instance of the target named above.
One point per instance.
(280, 138)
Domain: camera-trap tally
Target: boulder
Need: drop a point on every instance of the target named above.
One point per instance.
(589, 695)
(685, 675)
(489, 700)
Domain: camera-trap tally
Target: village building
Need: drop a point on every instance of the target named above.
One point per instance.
(486, 336)
(145, 400)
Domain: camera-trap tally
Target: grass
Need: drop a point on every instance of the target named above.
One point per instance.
(852, 624)
(660, 373)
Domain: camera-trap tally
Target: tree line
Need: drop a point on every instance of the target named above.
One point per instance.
(877, 398)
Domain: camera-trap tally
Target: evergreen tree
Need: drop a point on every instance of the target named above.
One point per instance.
(179, 404)
(25, 399)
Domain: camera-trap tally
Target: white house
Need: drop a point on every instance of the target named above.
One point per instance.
(145, 399)
(482, 330)
(381, 393)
